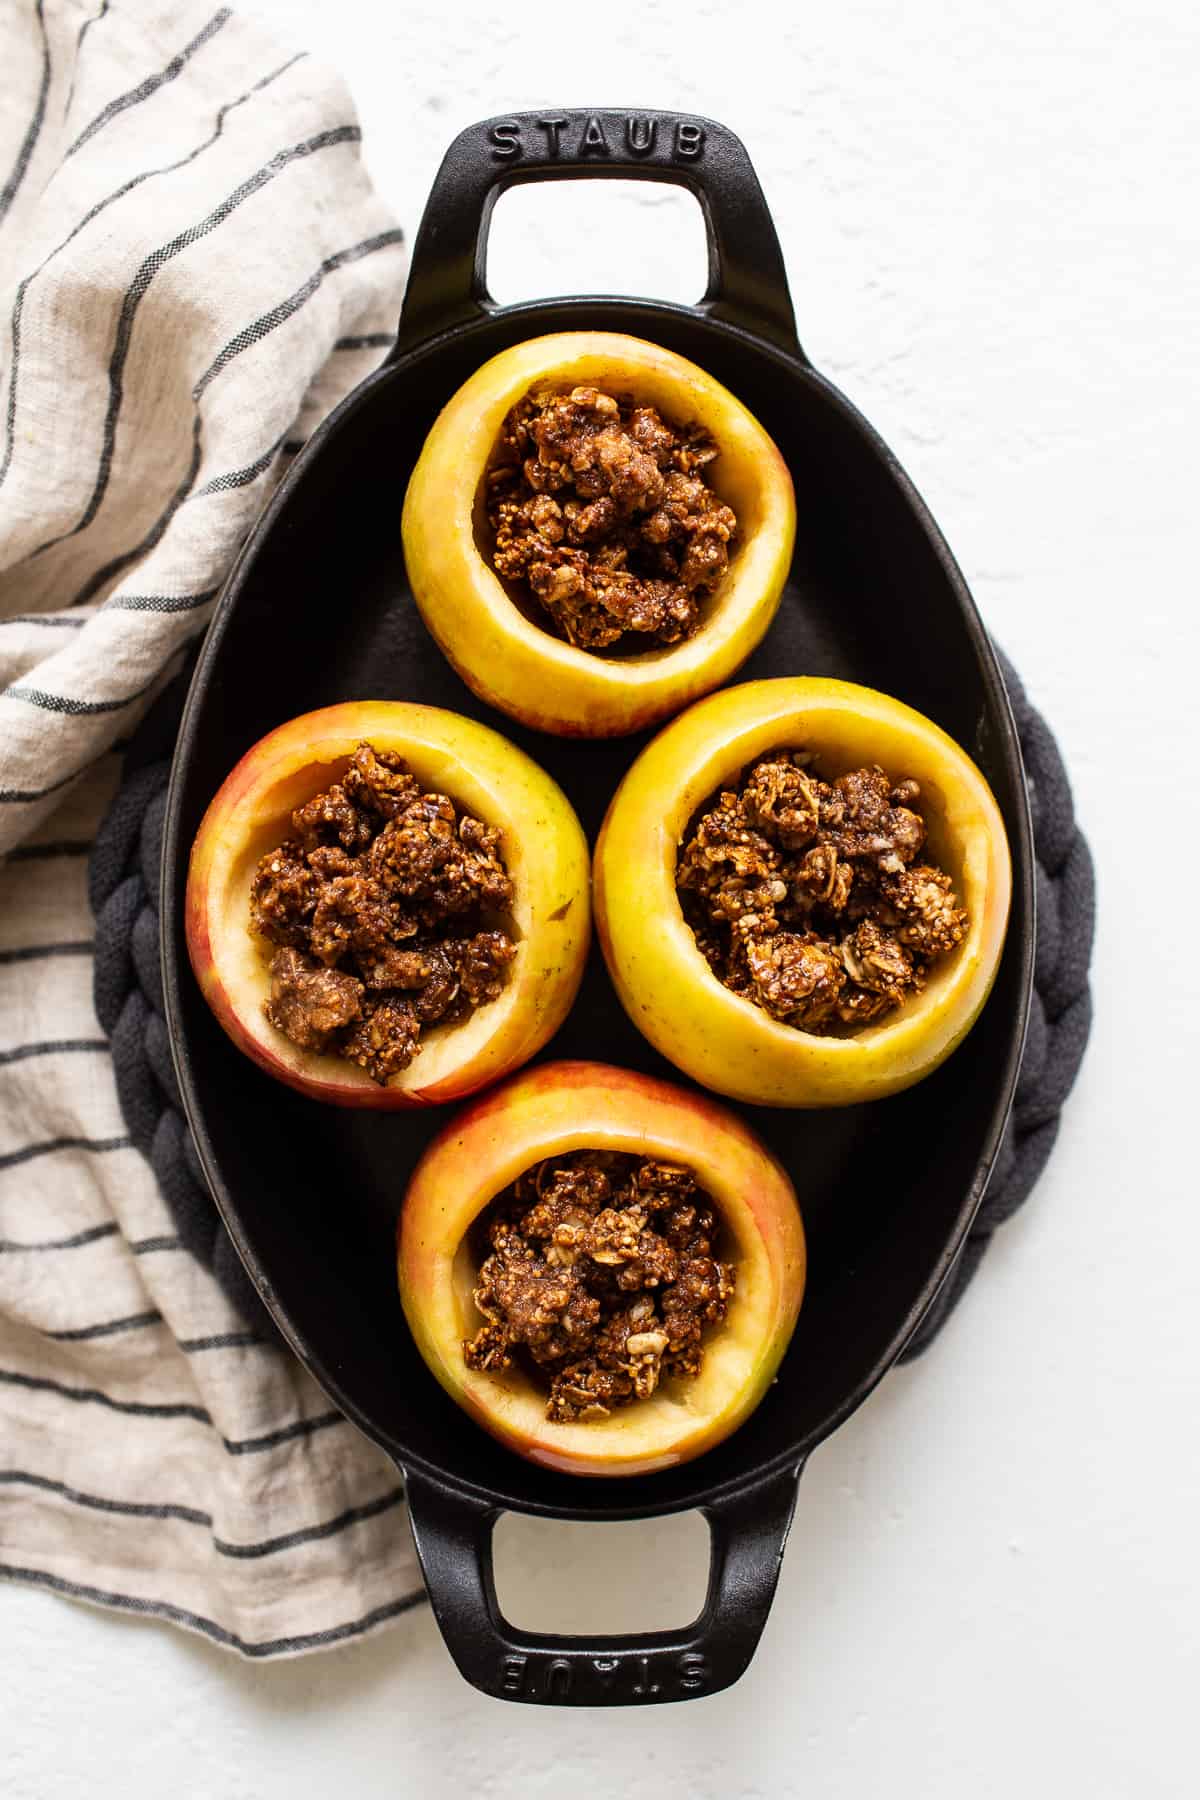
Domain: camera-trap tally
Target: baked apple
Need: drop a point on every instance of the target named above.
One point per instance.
(603, 1269)
(387, 905)
(596, 532)
(801, 890)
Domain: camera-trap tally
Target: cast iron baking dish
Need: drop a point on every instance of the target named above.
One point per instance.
(317, 610)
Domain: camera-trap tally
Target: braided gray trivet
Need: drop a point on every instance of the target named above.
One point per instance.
(123, 887)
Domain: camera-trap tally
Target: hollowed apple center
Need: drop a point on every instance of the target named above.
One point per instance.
(824, 892)
(605, 521)
(597, 1278)
(382, 913)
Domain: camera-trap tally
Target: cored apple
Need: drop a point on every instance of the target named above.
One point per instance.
(566, 1106)
(502, 654)
(542, 845)
(720, 1038)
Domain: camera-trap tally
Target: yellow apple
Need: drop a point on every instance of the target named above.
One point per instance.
(582, 1105)
(718, 1037)
(541, 842)
(501, 653)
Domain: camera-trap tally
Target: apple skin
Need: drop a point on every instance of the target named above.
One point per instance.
(721, 1040)
(503, 656)
(577, 1105)
(543, 846)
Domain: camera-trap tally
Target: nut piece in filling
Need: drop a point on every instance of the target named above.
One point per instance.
(601, 1277)
(383, 907)
(601, 508)
(808, 897)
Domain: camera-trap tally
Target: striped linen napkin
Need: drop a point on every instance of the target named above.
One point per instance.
(193, 269)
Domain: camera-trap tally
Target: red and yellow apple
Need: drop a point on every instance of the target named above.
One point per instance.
(500, 652)
(566, 1106)
(541, 842)
(718, 1037)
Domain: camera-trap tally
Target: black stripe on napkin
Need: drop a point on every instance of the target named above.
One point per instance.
(262, 327)
(285, 1434)
(161, 603)
(22, 796)
(92, 1235)
(310, 1534)
(221, 1340)
(152, 83)
(104, 574)
(55, 1047)
(151, 265)
(238, 478)
(95, 1147)
(69, 703)
(79, 1334)
(117, 194)
(35, 952)
(51, 619)
(8, 192)
(60, 847)
(157, 1509)
(146, 1409)
(170, 1409)
(75, 1242)
(245, 339)
(87, 26)
(178, 1615)
(192, 1515)
(83, 31)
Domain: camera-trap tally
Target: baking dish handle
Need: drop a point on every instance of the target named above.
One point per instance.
(748, 1530)
(447, 283)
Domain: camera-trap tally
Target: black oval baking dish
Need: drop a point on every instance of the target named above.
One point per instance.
(317, 610)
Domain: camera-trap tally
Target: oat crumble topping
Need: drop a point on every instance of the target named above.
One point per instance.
(808, 897)
(601, 508)
(601, 1277)
(379, 906)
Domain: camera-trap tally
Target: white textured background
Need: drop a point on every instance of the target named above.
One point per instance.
(990, 214)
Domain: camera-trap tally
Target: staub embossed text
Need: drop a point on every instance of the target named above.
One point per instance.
(555, 1679)
(557, 137)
